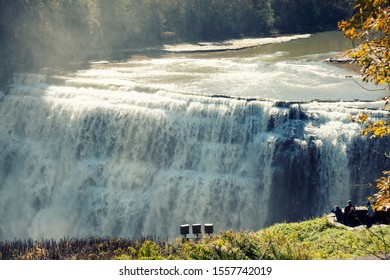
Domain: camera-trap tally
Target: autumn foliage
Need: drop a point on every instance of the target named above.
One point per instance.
(369, 29)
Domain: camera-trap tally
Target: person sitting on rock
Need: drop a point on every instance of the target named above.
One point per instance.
(339, 214)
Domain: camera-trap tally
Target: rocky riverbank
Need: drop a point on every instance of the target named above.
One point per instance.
(344, 60)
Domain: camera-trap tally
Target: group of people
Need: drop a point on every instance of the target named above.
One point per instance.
(350, 218)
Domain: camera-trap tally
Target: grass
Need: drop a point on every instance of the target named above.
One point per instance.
(308, 240)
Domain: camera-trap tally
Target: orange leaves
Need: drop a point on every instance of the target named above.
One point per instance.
(376, 128)
(370, 27)
(362, 118)
(382, 197)
(379, 128)
(352, 33)
(342, 25)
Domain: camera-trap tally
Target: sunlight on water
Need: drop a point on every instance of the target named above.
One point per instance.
(292, 70)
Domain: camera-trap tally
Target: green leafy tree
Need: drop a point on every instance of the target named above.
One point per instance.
(369, 29)
(309, 15)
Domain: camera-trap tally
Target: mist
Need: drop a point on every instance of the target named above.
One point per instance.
(66, 33)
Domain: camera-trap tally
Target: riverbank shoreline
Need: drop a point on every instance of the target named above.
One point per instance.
(344, 60)
(231, 44)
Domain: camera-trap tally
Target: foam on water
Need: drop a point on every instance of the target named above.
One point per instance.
(276, 75)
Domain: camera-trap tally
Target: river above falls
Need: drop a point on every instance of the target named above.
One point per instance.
(288, 68)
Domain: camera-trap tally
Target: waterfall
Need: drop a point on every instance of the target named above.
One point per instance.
(79, 160)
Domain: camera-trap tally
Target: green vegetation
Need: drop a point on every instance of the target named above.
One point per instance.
(309, 15)
(312, 239)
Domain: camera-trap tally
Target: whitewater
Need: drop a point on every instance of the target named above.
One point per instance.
(136, 147)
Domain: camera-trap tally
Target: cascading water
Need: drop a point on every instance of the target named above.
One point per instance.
(95, 153)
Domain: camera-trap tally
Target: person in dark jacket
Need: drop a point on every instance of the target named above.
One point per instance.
(370, 215)
(349, 214)
(339, 214)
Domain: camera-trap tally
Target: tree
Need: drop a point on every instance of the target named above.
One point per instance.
(369, 27)
(309, 15)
